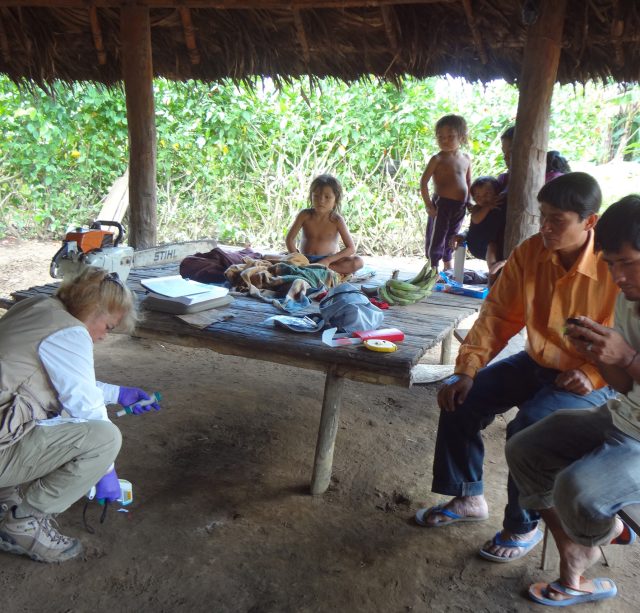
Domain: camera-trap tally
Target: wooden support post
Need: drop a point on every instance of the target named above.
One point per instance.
(550, 555)
(137, 72)
(529, 153)
(445, 348)
(331, 403)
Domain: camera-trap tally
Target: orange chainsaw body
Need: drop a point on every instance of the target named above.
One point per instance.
(89, 240)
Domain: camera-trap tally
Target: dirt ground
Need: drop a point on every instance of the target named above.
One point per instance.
(222, 520)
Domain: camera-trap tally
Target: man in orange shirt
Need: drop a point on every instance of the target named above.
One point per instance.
(550, 277)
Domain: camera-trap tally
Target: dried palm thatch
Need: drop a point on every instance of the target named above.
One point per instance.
(73, 40)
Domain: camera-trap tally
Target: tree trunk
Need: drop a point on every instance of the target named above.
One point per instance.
(137, 72)
(528, 157)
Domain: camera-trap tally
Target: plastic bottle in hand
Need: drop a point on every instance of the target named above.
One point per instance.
(155, 397)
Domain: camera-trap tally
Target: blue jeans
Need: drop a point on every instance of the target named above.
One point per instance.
(581, 464)
(515, 381)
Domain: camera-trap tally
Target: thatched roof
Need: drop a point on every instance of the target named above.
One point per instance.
(69, 40)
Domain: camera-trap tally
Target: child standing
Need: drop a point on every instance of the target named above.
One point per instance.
(451, 173)
(322, 226)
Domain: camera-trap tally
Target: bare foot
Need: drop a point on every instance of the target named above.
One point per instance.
(574, 561)
(465, 506)
(498, 547)
(447, 265)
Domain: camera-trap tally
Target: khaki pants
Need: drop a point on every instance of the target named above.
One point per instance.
(59, 463)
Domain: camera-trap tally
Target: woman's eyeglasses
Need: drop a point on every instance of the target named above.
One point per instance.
(114, 277)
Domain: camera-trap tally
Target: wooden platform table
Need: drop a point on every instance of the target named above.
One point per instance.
(425, 325)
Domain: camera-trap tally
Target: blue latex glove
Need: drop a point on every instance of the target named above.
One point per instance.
(129, 396)
(108, 488)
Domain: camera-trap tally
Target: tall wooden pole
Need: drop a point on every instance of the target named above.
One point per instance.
(528, 157)
(137, 72)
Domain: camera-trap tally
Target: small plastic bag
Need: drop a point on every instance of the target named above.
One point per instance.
(306, 323)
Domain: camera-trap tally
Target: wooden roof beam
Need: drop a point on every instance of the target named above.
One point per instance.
(264, 5)
(189, 34)
(96, 31)
(617, 30)
(302, 37)
(390, 26)
(4, 43)
(473, 26)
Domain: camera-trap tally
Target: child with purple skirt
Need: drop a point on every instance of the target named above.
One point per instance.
(450, 170)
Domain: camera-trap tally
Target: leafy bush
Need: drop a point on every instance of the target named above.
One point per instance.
(235, 161)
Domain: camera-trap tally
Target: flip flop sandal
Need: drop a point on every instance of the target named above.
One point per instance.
(525, 546)
(540, 592)
(422, 514)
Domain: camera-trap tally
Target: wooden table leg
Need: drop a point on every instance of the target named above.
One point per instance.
(445, 351)
(331, 404)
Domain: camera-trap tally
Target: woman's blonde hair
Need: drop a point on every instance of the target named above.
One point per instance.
(96, 290)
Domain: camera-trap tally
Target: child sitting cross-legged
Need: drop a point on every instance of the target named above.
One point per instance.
(322, 226)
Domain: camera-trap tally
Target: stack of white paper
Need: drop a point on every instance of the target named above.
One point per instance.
(182, 291)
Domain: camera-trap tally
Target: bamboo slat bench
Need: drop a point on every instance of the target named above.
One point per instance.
(425, 325)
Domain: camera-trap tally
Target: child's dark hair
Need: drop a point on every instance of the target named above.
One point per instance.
(619, 224)
(575, 191)
(327, 181)
(455, 122)
(480, 181)
(508, 133)
(556, 163)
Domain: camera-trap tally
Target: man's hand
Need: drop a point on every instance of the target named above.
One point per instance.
(431, 210)
(454, 392)
(574, 381)
(597, 343)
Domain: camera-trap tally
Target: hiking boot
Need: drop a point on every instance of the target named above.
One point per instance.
(36, 537)
(9, 498)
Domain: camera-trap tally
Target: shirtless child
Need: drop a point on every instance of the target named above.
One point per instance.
(322, 226)
(450, 170)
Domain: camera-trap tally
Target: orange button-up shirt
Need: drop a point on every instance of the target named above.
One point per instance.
(535, 291)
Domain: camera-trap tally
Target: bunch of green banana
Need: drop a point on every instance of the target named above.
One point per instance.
(404, 293)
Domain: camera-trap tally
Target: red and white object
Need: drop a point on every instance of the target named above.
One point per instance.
(385, 334)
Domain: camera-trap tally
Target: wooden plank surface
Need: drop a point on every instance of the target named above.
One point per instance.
(425, 325)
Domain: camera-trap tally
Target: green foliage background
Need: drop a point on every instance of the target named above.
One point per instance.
(235, 161)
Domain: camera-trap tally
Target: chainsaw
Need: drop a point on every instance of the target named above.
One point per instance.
(94, 246)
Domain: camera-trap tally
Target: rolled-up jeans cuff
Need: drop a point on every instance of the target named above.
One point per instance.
(458, 489)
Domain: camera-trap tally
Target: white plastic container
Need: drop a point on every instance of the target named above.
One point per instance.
(458, 262)
(126, 493)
